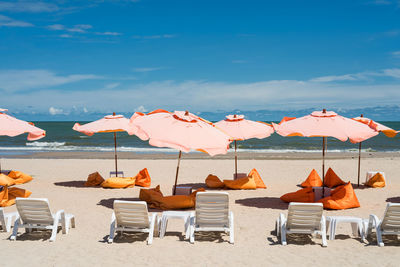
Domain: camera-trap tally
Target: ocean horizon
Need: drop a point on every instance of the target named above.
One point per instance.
(61, 137)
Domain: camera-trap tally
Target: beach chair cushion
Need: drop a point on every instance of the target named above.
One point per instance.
(332, 179)
(213, 181)
(6, 180)
(342, 197)
(241, 183)
(143, 178)
(20, 177)
(94, 179)
(119, 182)
(257, 179)
(149, 194)
(302, 195)
(8, 195)
(378, 180)
(312, 180)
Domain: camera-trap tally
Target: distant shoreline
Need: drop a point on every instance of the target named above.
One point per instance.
(229, 156)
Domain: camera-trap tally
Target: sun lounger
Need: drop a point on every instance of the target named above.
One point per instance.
(212, 214)
(6, 219)
(34, 213)
(390, 224)
(132, 216)
(303, 218)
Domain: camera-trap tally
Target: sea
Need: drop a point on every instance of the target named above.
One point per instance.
(61, 137)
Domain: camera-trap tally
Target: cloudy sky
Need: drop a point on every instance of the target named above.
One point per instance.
(82, 57)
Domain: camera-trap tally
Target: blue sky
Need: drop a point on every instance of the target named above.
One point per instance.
(68, 58)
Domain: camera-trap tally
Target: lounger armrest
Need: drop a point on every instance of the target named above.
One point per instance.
(60, 214)
(374, 222)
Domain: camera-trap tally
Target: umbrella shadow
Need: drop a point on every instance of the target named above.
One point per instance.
(263, 203)
(109, 202)
(194, 186)
(127, 237)
(393, 199)
(361, 187)
(77, 184)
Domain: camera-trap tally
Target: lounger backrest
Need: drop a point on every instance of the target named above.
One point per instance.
(212, 209)
(304, 216)
(34, 210)
(131, 213)
(2, 219)
(391, 219)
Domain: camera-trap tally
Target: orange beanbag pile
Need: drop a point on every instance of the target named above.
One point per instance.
(376, 181)
(8, 195)
(156, 200)
(20, 177)
(332, 180)
(6, 180)
(312, 180)
(119, 182)
(241, 183)
(302, 195)
(342, 197)
(143, 178)
(213, 181)
(257, 178)
(94, 179)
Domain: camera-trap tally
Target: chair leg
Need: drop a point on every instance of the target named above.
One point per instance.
(13, 237)
(192, 228)
(231, 229)
(8, 224)
(151, 230)
(112, 232)
(54, 230)
(379, 237)
(283, 234)
(323, 231)
(73, 222)
(277, 228)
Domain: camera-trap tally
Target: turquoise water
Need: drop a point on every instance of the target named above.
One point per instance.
(61, 137)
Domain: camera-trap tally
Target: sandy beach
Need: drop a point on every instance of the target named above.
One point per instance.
(61, 181)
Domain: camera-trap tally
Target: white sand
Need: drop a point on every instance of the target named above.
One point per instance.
(255, 213)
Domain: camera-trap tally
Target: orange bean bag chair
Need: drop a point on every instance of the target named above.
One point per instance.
(332, 180)
(213, 181)
(257, 178)
(313, 179)
(149, 194)
(8, 195)
(6, 180)
(342, 197)
(241, 183)
(20, 177)
(143, 178)
(94, 179)
(119, 182)
(302, 195)
(376, 181)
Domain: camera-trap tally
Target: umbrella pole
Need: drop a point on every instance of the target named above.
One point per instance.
(115, 154)
(323, 166)
(235, 161)
(177, 171)
(359, 163)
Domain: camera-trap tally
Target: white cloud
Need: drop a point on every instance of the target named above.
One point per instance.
(56, 27)
(79, 28)
(394, 73)
(9, 22)
(111, 85)
(28, 6)
(146, 69)
(85, 110)
(238, 61)
(380, 2)
(159, 36)
(396, 54)
(368, 75)
(141, 109)
(65, 35)
(55, 111)
(15, 80)
(109, 33)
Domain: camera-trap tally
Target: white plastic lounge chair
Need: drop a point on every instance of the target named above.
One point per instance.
(132, 216)
(34, 213)
(390, 225)
(6, 219)
(303, 218)
(212, 214)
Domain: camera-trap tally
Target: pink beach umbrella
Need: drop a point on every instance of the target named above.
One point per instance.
(108, 124)
(389, 132)
(11, 126)
(325, 124)
(241, 129)
(180, 130)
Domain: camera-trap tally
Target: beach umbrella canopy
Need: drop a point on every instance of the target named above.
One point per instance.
(325, 124)
(10, 126)
(108, 124)
(241, 129)
(180, 130)
(389, 132)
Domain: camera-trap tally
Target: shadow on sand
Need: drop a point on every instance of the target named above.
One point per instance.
(393, 199)
(263, 203)
(77, 184)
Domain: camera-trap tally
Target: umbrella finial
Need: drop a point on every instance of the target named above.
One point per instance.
(235, 116)
(324, 110)
(113, 113)
(186, 113)
(362, 115)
